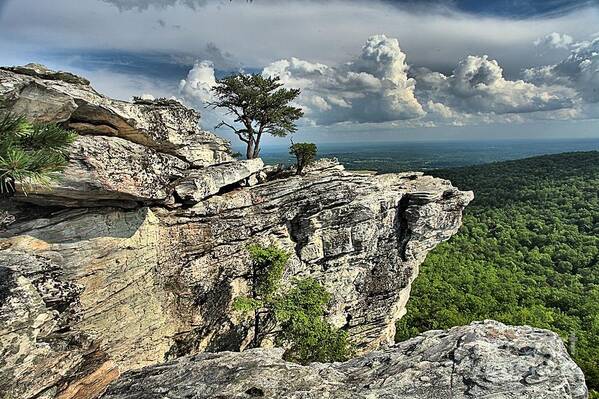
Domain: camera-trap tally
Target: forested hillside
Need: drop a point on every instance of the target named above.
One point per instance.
(527, 254)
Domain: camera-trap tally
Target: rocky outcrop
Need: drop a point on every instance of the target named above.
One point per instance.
(158, 282)
(164, 125)
(200, 184)
(135, 253)
(127, 153)
(483, 360)
(110, 171)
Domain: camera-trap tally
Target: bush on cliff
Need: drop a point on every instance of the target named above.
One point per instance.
(295, 317)
(31, 153)
(304, 330)
(305, 153)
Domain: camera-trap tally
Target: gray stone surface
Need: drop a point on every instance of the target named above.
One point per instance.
(482, 360)
(158, 282)
(202, 183)
(127, 152)
(110, 169)
(165, 125)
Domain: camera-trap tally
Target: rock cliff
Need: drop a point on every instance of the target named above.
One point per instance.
(482, 360)
(135, 254)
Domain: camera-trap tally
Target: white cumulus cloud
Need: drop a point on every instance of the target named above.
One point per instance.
(580, 71)
(373, 87)
(378, 86)
(554, 40)
(477, 85)
(197, 88)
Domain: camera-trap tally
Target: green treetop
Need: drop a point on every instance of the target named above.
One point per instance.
(305, 153)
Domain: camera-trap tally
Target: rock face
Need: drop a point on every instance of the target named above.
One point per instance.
(200, 184)
(164, 125)
(151, 283)
(126, 153)
(136, 253)
(483, 360)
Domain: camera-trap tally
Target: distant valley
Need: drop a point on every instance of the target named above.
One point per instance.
(406, 156)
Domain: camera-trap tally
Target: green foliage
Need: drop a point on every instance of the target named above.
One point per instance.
(268, 267)
(31, 153)
(528, 253)
(305, 153)
(298, 312)
(246, 305)
(308, 336)
(259, 105)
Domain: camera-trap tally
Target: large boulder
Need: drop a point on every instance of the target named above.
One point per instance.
(109, 171)
(483, 360)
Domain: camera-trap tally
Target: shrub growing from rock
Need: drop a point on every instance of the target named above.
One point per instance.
(305, 333)
(305, 154)
(296, 317)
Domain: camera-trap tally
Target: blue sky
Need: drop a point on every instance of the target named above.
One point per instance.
(376, 70)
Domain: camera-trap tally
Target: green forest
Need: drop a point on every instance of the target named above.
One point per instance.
(528, 253)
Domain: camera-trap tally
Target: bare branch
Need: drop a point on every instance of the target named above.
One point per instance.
(223, 123)
(242, 138)
(241, 133)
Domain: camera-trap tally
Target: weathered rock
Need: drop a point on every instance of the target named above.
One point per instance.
(202, 183)
(67, 326)
(38, 349)
(159, 283)
(482, 360)
(105, 170)
(126, 151)
(165, 125)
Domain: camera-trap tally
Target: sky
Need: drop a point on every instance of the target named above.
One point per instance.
(368, 70)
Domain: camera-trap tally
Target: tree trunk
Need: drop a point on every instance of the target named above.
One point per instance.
(256, 313)
(255, 339)
(256, 153)
(249, 154)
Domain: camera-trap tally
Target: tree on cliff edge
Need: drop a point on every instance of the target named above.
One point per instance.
(258, 105)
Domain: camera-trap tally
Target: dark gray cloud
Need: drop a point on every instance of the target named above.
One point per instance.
(580, 70)
(313, 45)
(504, 8)
(264, 31)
